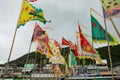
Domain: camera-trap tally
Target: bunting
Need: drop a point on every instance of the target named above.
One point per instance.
(98, 33)
(38, 32)
(112, 7)
(29, 12)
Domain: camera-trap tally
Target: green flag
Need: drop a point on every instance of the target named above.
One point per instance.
(72, 60)
(98, 33)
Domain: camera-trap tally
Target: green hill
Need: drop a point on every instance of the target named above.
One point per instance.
(41, 59)
(115, 54)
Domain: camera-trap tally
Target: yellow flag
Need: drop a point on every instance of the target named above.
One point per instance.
(29, 12)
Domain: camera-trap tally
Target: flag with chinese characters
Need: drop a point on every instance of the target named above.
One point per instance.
(29, 12)
(38, 32)
(112, 7)
(99, 34)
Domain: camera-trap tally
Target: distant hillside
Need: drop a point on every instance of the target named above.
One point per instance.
(41, 59)
(115, 54)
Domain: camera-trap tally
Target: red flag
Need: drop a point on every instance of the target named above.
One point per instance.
(64, 41)
(53, 67)
(76, 51)
(56, 44)
(72, 46)
(37, 32)
(84, 43)
(31, 0)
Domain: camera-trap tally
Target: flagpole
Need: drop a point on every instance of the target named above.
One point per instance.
(108, 49)
(81, 52)
(28, 56)
(10, 53)
(92, 41)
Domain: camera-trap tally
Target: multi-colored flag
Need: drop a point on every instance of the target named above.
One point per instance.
(43, 46)
(64, 41)
(29, 12)
(85, 45)
(72, 60)
(111, 7)
(81, 53)
(38, 32)
(99, 34)
(57, 59)
(58, 71)
(54, 49)
(44, 38)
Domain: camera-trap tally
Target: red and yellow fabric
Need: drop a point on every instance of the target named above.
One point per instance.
(43, 46)
(84, 43)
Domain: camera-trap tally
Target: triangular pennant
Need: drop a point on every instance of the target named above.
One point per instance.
(99, 34)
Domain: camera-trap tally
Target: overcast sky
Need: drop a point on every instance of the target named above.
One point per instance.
(64, 15)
